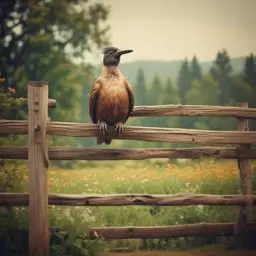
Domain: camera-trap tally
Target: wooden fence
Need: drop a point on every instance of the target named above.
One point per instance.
(38, 154)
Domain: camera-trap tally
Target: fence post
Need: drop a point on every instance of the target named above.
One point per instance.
(37, 169)
(245, 169)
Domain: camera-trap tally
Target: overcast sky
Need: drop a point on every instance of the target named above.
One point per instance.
(174, 29)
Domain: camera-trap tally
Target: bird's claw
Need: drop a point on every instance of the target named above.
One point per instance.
(119, 127)
(103, 127)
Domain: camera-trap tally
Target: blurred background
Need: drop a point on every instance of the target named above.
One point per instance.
(185, 52)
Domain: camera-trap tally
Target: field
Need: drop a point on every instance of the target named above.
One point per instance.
(152, 177)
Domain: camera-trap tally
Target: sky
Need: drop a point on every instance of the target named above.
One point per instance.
(175, 29)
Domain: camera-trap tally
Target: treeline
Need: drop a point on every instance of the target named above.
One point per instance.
(219, 86)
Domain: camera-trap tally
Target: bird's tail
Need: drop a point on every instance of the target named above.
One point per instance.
(106, 140)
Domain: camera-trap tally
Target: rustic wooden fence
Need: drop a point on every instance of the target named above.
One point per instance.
(38, 154)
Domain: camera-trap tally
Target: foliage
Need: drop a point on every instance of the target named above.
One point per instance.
(40, 41)
(221, 72)
(196, 71)
(183, 80)
(11, 176)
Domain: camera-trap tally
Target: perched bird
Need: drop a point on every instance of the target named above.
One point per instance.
(111, 99)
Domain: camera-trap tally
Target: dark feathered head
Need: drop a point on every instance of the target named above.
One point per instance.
(112, 56)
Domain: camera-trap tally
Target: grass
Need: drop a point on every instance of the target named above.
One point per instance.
(149, 177)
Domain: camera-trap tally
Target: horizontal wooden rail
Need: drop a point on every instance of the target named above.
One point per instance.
(199, 229)
(19, 199)
(64, 153)
(171, 135)
(194, 111)
(188, 111)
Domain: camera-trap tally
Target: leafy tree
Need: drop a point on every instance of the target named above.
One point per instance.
(184, 80)
(39, 42)
(196, 71)
(221, 72)
(40, 38)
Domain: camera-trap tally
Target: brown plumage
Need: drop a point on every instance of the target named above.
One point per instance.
(111, 100)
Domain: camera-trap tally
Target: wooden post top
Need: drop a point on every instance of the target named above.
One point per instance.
(38, 83)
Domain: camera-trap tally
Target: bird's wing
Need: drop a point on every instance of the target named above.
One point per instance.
(131, 97)
(93, 98)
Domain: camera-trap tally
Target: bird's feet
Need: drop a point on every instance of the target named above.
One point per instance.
(103, 127)
(119, 127)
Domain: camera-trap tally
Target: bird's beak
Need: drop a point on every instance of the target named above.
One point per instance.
(121, 52)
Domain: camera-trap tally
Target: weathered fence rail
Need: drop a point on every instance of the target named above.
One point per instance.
(195, 111)
(200, 229)
(65, 153)
(170, 135)
(38, 155)
(22, 199)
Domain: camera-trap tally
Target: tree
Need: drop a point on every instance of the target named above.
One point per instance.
(221, 72)
(242, 90)
(170, 97)
(40, 41)
(170, 93)
(249, 74)
(184, 80)
(140, 89)
(41, 38)
(250, 70)
(156, 92)
(196, 72)
(205, 92)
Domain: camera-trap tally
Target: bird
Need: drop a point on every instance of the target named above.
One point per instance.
(111, 99)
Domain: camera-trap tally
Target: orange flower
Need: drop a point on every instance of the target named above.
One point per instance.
(51, 183)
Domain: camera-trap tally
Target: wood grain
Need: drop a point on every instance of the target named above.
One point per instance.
(172, 110)
(171, 135)
(65, 153)
(245, 168)
(194, 111)
(200, 229)
(19, 199)
(38, 182)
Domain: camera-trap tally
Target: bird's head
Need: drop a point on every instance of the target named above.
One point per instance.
(112, 56)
